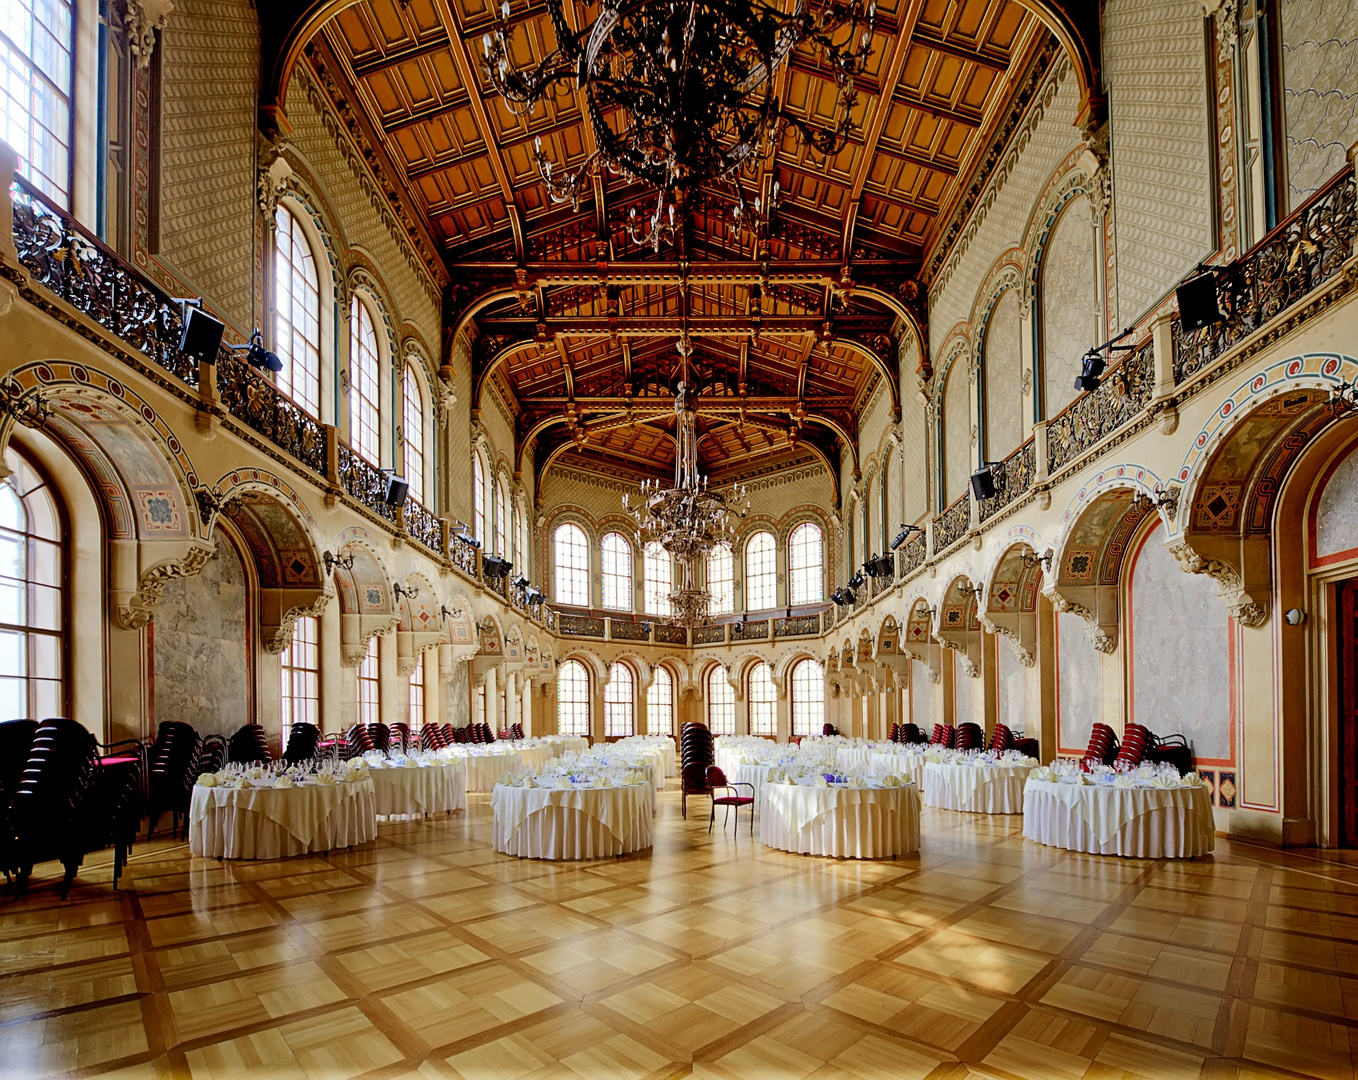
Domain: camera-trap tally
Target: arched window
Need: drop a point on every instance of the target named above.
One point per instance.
(412, 432)
(805, 561)
(660, 703)
(657, 573)
(620, 700)
(416, 719)
(808, 698)
(572, 699)
(721, 579)
(369, 686)
(301, 667)
(721, 703)
(501, 518)
(365, 393)
(32, 609)
(1002, 370)
(525, 552)
(615, 563)
(761, 572)
(571, 563)
(36, 95)
(297, 313)
(478, 497)
(763, 698)
(886, 503)
(956, 432)
(1070, 303)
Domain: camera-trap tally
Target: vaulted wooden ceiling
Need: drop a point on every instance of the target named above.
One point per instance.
(576, 325)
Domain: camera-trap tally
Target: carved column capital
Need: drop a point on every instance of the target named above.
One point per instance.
(141, 20)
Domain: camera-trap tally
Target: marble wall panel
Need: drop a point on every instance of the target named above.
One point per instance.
(1012, 684)
(921, 697)
(1337, 511)
(956, 431)
(200, 654)
(1180, 644)
(1002, 367)
(1070, 303)
(1077, 682)
(1320, 90)
(965, 690)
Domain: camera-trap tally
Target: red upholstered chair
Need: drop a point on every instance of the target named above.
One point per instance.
(944, 735)
(1136, 743)
(910, 733)
(1103, 747)
(1173, 749)
(716, 781)
(829, 729)
(360, 740)
(431, 737)
(969, 737)
(894, 733)
(400, 737)
(380, 735)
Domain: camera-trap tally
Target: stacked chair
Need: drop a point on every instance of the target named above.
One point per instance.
(211, 756)
(400, 737)
(1103, 747)
(516, 731)
(360, 741)
(829, 729)
(172, 771)
(304, 741)
(696, 753)
(969, 736)
(16, 740)
(1003, 739)
(247, 745)
(1140, 744)
(380, 735)
(432, 738)
(944, 735)
(910, 733)
(1136, 745)
(1173, 749)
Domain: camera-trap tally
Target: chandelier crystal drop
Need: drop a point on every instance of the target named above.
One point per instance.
(681, 93)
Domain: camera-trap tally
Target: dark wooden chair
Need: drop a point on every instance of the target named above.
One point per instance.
(716, 781)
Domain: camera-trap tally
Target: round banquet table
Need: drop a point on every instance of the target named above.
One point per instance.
(1150, 823)
(566, 744)
(270, 823)
(536, 756)
(977, 789)
(840, 821)
(418, 790)
(485, 770)
(906, 764)
(853, 759)
(571, 823)
(754, 775)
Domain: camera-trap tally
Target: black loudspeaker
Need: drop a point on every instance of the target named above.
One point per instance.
(202, 335)
(982, 485)
(1198, 302)
(396, 490)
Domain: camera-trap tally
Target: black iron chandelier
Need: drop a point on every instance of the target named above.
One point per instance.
(681, 93)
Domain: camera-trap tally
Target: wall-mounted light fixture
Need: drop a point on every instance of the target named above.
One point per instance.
(407, 591)
(345, 562)
(455, 613)
(1295, 616)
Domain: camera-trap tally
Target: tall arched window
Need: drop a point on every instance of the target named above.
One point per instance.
(658, 579)
(572, 699)
(571, 563)
(297, 313)
(660, 703)
(615, 564)
(721, 579)
(301, 668)
(808, 698)
(805, 563)
(416, 719)
(501, 518)
(763, 698)
(412, 432)
(32, 609)
(478, 497)
(721, 703)
(525, 550)
(956, 432)
(886, 503)
(365, 392)
(1070, 303)
(35, 97)
(761, 572)
(620, 703)
(369, 686)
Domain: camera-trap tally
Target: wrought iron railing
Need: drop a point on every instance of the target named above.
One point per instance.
(1014, 477)
(1089, 419)
(261, 406)
(580, 626)
(462, 554)
(796, 626)
(1302, 253)
(83, 271)
(910, 555)
(423, 526)
(365, 482)
(747, 631)
(709, 635)
(951, 525)
(629, 631)
(671, 635)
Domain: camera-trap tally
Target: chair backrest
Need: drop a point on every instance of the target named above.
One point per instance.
(380, 735)
(1001, 738)
(910, 733)
(715, 777)
(694, 778)
(829, 729)
(303, 739)
(212, 755)
(360, 739)
(937, 738)
(969, 736)
(248, 743)
(400, 736)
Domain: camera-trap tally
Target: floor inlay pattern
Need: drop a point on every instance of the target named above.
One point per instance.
(429, 955)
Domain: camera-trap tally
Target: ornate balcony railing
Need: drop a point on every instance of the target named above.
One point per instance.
(671, 635)
(1302, 253)
(81, 270)
(709, 635)
(462, 554)
(262, 407)
(796, 626)
(757, 630)
(622, 630)
(580, 626)
(951, 525)
(1124, 392)
(910, 555)
(423, 526)
(1014, 477)
(365, 482)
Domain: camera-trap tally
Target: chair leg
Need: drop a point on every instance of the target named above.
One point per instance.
(751, 820)
(713, 818)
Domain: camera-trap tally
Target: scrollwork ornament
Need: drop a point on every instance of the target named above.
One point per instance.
(141, 20)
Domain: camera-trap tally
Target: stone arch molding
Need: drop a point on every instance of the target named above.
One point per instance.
(138, 472)
(1013, 580)
(366, 600)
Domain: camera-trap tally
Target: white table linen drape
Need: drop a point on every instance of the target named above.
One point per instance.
(842, 822)
(1154, 823)
(484, 770)
(976, 789)
(418, 790)
(270, 823)
(571, 823)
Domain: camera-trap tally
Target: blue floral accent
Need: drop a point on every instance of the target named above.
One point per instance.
(159, 510)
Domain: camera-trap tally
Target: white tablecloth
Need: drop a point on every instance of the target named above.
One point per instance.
(571, 823)
(909, 765)
(1154, 823)
(426, 789)
(566, 744)
(978, 789)
(852, 823)
(853, 759)
(269, 823)
(755, 775)
(485, 770)
(536, 756)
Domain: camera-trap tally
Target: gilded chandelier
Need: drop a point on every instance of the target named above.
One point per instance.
(681, 93)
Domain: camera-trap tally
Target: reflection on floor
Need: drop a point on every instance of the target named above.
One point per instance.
(428, 954)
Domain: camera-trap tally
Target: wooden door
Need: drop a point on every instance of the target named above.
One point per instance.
(1346, 593)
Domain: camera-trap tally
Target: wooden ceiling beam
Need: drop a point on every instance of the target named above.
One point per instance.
(938, 111)
(935, 43)
(663, 404)
(364, 68)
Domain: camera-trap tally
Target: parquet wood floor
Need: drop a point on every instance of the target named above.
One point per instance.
(429, 955)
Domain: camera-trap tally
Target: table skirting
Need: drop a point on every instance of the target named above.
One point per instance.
(484, 770)
(571, 823)
(414, 792)
(754, 775)
(977, 789)
(536, 756)
(270, 823)
(843, 822)
(1153, 823)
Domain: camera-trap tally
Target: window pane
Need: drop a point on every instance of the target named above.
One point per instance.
(721, 579)
(501, 512)
(721, 703)
(808, 698)
(761, 572)
(417, 695)
(14, 655)
(805, 560)
(616, 563)
(12, 514)
(412, 432)
(660, 704)
(30, 590)
(44, 656)
(572, 699)
(300, 666)
(13, 608)
(46, 698)
(13, 555)
(35, 91)
(619, 703)
(478, 498)
(572, 566)
(368, 683)
(657, 571)
(14, 699)
(763, 701)
(297, 313)
(365, 416)
(45, 608)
